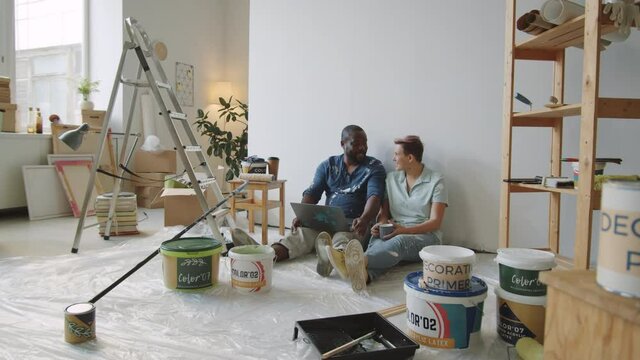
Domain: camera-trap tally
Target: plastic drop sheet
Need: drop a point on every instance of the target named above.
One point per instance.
(142, 319)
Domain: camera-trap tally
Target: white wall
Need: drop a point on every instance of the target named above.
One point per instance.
(434, 69)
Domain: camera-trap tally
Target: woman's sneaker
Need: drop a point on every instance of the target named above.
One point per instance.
(336, 257)
(324, 267)
(354, 261)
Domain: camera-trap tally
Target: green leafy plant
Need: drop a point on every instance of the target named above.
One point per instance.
(223, 143)
(86, 87)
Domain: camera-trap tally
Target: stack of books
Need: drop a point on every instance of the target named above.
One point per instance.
(5, 92)
(125, 219)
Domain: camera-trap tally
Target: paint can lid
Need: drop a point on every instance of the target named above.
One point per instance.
(478, 287)
(447, 254)
(191, 244)
(526, 259)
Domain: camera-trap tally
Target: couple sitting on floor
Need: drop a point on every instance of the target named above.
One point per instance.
(412, 198)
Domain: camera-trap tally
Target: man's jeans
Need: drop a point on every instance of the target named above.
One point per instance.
(384, 254)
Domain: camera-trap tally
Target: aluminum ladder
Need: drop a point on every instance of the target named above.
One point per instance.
(189, 151)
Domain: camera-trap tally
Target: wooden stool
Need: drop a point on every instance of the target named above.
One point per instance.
(250, 204)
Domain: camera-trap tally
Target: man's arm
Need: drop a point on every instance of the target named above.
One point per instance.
(361, 224)
(314, 192)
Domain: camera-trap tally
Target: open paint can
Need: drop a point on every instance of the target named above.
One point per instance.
(519, 269)
(520, 316)
(447, 267)
(251, 268)
(190, 263)
(79, 323)
(619, 248)
(440, 318)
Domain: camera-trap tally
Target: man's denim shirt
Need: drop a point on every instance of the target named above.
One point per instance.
(349, 192)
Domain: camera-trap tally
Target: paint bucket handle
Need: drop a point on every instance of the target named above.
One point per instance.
(477, 306)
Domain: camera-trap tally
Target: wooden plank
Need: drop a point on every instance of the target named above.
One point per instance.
(556, 154)
(507, 119)
(566, 110)
(563, 262)
(515, 187)
(581, 284)
(588, 131)
(585, 322)
(535, 54)
(618, 108)
(566, 35)
(536, 122)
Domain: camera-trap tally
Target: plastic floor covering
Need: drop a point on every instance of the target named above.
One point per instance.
(142, 319)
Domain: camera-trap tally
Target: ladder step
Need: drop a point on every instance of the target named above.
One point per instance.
(136, 83)
(206, 182)
(192, 148)
(163, 85)
(177, 116)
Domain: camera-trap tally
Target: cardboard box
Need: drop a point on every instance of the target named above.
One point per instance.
(149, 197)
(150, 179)
(155, 162)
(94, 118)
(8, 117)
(181, 206)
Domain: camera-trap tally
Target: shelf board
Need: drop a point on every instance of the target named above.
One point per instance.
(562, 111)
(561, 37)
(614, 108)
(525, 188)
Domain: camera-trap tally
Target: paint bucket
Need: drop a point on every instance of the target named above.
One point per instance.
(440, 318)
(619, 248)
(190, 263)
(79, 323)
(519, 270)
(251, 268)
(447, 267)
(520, 316)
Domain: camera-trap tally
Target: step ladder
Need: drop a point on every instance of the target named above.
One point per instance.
(189, 151)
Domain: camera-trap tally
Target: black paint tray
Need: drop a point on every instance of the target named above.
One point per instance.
(329, 333)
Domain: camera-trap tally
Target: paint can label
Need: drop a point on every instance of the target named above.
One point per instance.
(79, 323)
(249, 275)
(516, 320)
(443, 326)
(521, 282)
(442, 276)
(194, 273)
(620, 242)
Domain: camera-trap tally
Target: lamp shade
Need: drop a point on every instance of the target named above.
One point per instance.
(221, 89)
(74, 138)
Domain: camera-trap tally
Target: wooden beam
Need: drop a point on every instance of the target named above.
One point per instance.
(619, 108)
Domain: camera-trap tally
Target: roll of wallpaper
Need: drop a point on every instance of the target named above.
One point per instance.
(148, 115)
(560, 11)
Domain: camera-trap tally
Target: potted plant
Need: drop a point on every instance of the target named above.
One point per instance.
(85, 88)
(223, 143)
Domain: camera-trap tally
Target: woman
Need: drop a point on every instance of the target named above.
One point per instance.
(414, 204)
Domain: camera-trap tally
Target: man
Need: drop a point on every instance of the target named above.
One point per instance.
(352, 181)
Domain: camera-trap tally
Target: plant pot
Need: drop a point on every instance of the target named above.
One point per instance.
(85, 105)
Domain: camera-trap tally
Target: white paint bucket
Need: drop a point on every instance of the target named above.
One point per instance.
(619, 248)
(443, 319)
(251, 268)
(520, 316)
(519, 270)
(447, 267)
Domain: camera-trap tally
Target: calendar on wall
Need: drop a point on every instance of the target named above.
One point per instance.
(184, 84)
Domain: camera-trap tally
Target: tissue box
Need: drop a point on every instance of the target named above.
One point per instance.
(8, 117)
(155, 162)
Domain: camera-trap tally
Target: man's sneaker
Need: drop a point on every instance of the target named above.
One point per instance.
(354, 261)
(324, 266)
(239, 238)
(336, 257)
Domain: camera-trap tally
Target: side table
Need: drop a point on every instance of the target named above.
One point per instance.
(264, 204)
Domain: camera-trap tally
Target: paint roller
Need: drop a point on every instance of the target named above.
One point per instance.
(238, 190)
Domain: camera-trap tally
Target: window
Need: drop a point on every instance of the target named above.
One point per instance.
(48, 58)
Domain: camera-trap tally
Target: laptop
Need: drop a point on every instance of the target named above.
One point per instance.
(321, 217)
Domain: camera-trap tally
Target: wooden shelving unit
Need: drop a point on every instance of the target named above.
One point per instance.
(585, 30)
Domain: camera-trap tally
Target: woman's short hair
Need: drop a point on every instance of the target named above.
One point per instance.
(411, 145)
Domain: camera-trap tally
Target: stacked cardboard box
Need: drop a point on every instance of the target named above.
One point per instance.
(153, 168)
(7, 109)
